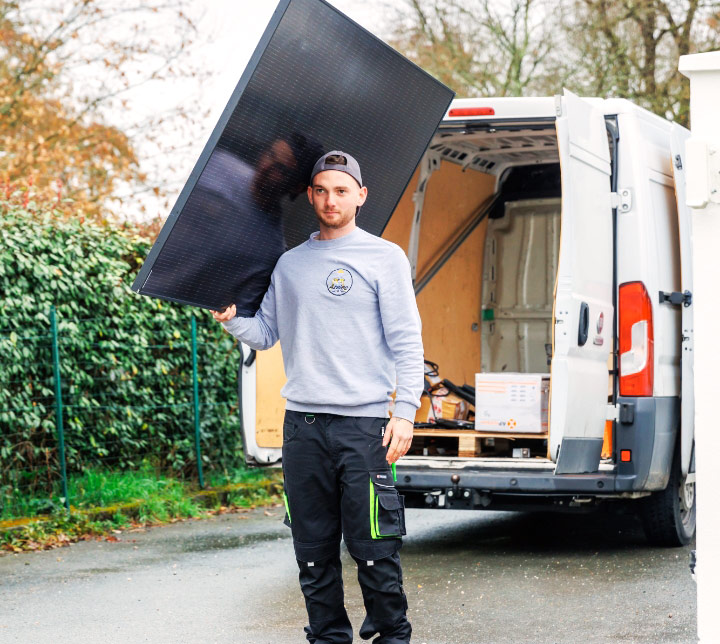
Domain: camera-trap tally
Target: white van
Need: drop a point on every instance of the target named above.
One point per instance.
(544, 236)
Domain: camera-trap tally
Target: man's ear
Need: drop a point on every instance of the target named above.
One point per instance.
(362, 196)
(309, 194)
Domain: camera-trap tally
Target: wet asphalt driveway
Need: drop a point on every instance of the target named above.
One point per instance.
(470, 577)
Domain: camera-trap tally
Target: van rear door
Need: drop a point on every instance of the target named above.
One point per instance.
(262, 408)
(583, 303)
(678, 136)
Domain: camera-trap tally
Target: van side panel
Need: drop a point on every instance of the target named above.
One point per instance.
(450, 304)
(647, 234)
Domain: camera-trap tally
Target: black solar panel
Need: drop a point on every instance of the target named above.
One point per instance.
(316, 82)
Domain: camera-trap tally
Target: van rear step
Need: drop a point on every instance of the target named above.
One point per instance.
(471, 443)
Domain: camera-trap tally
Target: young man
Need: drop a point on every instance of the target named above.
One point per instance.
(343, 307)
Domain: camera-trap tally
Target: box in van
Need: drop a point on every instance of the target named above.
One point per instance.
(512, 402)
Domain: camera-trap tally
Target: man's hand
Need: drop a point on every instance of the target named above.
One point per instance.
(225, 315)
(401, 433)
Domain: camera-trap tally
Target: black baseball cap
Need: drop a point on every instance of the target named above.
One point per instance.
(337, 160)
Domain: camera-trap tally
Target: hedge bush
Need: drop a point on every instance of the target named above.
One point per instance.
(125, 359)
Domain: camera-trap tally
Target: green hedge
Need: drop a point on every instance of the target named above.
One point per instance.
(125, 359)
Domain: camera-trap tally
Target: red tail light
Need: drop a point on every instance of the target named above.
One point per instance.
(636, 340)
(471, 111)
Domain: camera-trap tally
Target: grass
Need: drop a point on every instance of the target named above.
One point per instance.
(106, 500)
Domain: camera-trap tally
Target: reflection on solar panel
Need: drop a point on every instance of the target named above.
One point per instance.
(317, 82)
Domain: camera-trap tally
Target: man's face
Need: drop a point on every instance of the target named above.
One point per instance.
(335, 196)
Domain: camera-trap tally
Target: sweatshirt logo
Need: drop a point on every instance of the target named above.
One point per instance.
(339, 281)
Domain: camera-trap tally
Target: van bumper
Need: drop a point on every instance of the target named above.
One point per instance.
(647, 429)
(412, 479)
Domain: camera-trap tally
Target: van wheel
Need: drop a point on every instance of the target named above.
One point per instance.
(669, 516)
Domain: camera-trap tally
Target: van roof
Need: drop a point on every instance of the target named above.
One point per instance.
(493, 134)
(532, 108)
(490, 109)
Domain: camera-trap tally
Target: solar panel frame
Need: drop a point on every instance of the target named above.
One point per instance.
(139, 284)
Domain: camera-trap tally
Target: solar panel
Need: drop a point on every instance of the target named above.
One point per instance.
(316, 82)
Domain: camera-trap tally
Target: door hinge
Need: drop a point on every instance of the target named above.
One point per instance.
(622, 200)
(676, 298)
(623, 413)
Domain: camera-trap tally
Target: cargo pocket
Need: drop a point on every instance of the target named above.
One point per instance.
(387, 512)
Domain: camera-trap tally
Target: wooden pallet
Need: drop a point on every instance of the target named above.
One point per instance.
(469, 440)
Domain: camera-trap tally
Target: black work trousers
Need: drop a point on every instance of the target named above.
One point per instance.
(338, 484)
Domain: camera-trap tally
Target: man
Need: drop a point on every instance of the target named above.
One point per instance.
(343, 307)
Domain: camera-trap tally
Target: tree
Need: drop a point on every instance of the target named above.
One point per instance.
(630, 48)
(477, 47)
(624, 48)
(64, 66)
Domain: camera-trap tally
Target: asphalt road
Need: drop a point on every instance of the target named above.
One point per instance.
(470, 578)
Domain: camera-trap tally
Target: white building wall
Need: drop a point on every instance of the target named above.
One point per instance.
(702, 161)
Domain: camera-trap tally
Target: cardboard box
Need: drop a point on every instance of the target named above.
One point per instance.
(453, 408)
(447, 406)
(515, 403)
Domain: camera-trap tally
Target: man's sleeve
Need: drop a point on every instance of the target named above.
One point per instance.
(260, 331)
(402, 329)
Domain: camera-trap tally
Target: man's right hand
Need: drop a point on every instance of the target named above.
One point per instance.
(225, 315)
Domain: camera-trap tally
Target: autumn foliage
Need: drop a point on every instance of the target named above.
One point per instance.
(63, 68)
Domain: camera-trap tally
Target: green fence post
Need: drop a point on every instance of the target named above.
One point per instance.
(196, 403)
(58, 404)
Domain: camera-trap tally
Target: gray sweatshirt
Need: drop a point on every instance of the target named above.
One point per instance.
(344, 311)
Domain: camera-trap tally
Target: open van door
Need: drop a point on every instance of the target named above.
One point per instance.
(678, 136)
(583, 304)
(262, 409)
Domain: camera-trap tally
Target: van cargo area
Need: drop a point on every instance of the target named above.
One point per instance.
(487, 251)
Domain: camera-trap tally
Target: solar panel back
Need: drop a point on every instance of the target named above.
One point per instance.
(316, 82)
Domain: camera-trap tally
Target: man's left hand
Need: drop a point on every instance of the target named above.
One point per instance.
(400, 432)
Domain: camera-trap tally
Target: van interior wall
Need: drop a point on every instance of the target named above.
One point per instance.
(450, 304)
(521, 257)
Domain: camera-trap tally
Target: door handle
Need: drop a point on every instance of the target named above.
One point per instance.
(584, 326)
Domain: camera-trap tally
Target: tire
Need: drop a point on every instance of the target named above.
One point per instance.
(668, 516)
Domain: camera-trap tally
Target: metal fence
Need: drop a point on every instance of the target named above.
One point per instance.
(79, 392)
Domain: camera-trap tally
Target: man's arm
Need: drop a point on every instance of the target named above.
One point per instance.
(258, 332)
(402, 329)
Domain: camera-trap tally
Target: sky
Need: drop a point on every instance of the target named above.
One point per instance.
(229, 31)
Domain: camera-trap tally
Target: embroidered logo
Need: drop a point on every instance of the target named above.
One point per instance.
(339, 281)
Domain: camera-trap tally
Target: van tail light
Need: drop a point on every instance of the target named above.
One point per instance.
(636, 340)
(471, 111)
